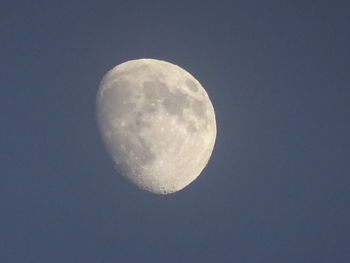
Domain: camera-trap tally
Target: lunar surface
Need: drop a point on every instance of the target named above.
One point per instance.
(157, 123)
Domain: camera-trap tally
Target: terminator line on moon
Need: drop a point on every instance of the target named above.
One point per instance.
(157, 122)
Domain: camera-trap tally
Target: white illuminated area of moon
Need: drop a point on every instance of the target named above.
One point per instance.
(157, 122)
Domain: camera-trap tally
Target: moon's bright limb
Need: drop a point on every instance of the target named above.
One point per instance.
(157, 122)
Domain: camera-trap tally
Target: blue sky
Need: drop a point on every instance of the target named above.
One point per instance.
(277, 186)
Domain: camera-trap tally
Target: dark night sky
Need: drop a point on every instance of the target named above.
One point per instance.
(277, 187)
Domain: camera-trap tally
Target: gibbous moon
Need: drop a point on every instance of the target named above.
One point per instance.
(157, 123)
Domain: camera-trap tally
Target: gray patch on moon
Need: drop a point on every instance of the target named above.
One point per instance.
(117, 99)
(191, 127)
(140, 152)
(191, 85)
(155, 90)
(199, 108)
(175, 103)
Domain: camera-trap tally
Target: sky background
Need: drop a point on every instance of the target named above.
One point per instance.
(277, 187)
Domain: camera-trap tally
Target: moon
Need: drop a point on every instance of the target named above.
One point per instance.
(157, 122)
